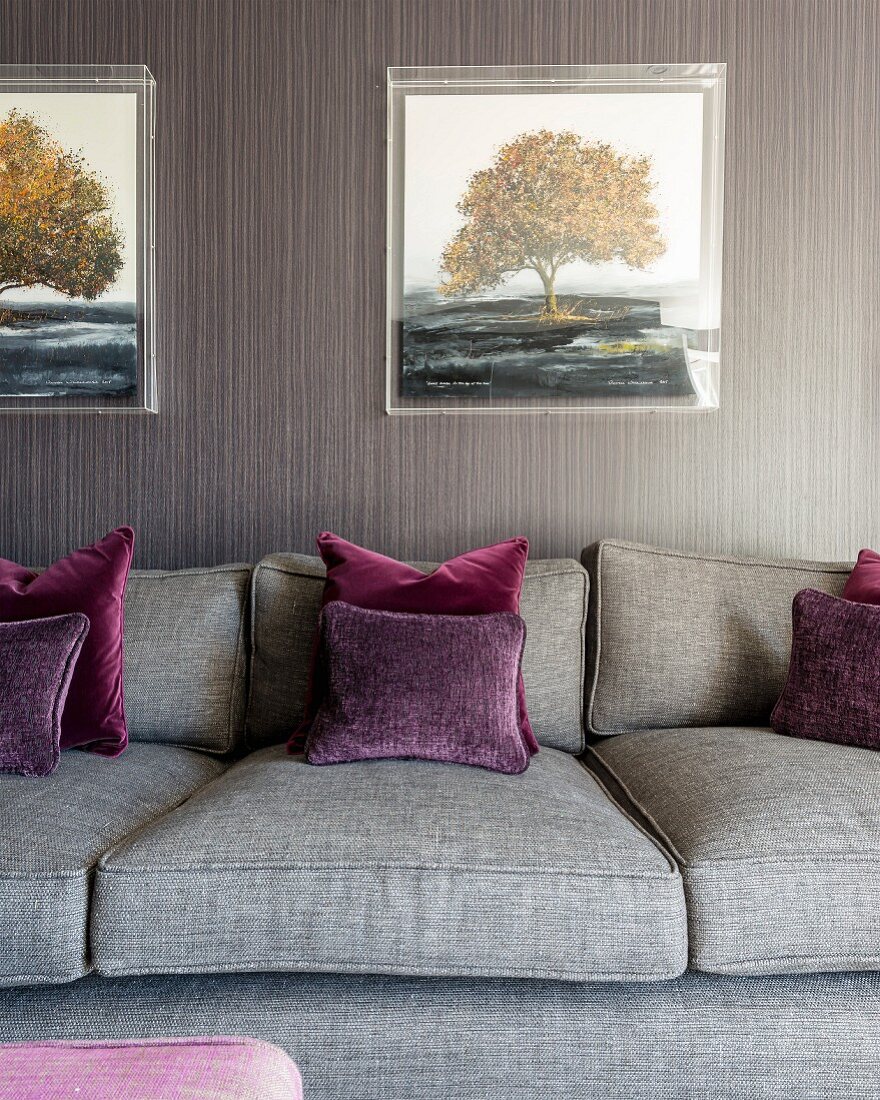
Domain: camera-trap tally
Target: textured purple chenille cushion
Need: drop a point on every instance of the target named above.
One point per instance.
(430, 687)
(36, 665)
(833, 688)
(479, 582)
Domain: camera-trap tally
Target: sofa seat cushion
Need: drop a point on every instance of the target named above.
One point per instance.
(777, 839)
(55, 828)
(393, 867)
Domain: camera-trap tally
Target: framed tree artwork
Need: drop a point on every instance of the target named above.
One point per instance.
(554, 238)
(76, 239)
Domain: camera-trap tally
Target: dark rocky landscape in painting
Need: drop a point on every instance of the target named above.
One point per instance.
(494, 348)
(73, 349)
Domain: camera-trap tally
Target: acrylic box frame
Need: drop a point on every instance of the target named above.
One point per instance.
(104, 79)
(702, 346)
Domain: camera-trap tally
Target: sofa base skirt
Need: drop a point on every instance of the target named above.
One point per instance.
(360, 1038)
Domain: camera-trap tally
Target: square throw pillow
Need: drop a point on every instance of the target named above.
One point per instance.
(426, 687)
(833, 688)
(480, 582)
(37, 659)
(92, 582)
(863, 583)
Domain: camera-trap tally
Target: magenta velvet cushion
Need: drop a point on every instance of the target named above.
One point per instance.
(863, 583)
(202, 1068)
(90, 581)
(479, 582)
(37, 659)
(832, 692)
(428, 687)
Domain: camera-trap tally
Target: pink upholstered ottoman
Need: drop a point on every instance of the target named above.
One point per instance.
(145, 1069)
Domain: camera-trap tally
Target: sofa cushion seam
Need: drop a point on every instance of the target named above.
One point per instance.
(50, 876)
(582, 672)
(271, 965)
(755, 860)
(796, 565)
(212, 1042)
(294, 571)
(741, 959)
(161, 574)
(591, 706)
(252, 657)
(654, 841)
(46, 978)
(661, 833)
(527, 872)
(236, 675)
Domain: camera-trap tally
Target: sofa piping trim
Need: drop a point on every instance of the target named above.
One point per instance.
(863, 962)
(212, 1042)
(625, 813)
(239, 673)
(11, 981)
(794, 565)
(334, 967)
(648, 816)
(372, 868)
(295, 570)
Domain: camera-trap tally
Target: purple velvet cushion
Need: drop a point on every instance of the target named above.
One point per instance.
(430, 687)
(91, 581)
(833, 688)
(36, 665)
(863, 583)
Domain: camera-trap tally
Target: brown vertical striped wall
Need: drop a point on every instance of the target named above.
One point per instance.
(271, 296)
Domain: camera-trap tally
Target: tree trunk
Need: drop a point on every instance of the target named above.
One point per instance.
(551, 307)
(7, 315)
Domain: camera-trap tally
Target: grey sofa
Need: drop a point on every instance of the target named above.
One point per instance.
(671, 902)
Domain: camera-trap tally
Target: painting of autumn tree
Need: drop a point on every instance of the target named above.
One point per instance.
(548, 243)
(56, 225)
(547, 200)
(68, 291)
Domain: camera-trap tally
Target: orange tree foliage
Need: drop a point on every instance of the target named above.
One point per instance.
(547, 200)
(55, 226)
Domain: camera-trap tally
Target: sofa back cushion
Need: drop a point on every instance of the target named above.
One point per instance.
(186, 657)
(681, 639)
(284, 614)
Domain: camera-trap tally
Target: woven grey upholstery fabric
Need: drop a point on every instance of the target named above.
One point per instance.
(777, 839)
(55, 828)
(186, 656)
(406, 867)
(698, 1037)
(284, 613)
(681, 639)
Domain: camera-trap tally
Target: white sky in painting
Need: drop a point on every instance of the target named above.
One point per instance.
(103, 129)
(448, 137)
